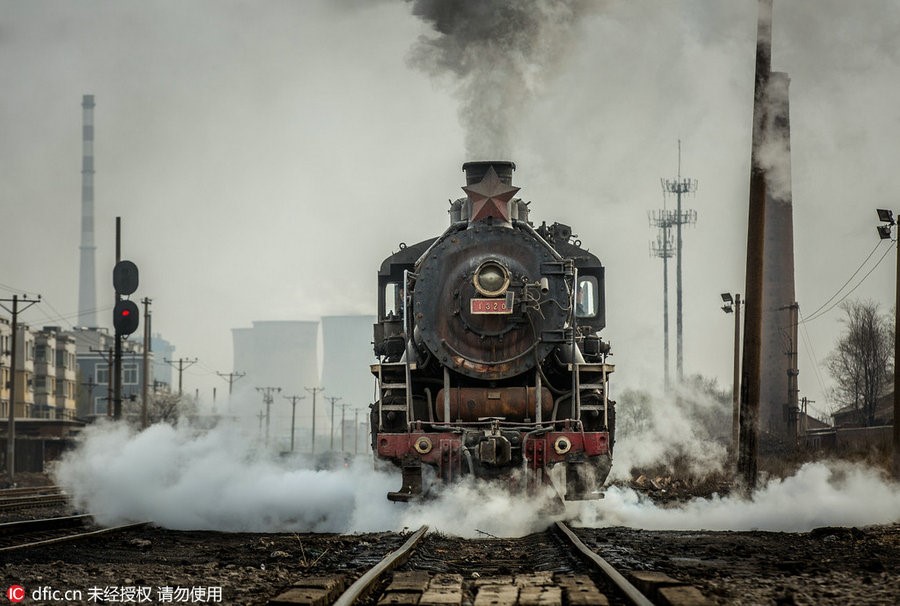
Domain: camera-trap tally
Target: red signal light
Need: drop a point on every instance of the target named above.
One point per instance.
(126, 317)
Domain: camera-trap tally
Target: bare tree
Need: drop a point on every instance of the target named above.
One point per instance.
(861, 361)
(163, 408)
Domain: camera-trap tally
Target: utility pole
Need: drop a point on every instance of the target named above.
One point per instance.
(884, 232)
(753, 289)
(366, 433)
(332, 399)
(314, 391)
(90, 385)
(260, 416)
(793, 391)
(679, 186)
(231, 377)
(293, 400)
(356, 412)
(183, 363)
(267, 399)
(734, 305)
(343, 407)
(804, 403)
(145, 372)
(13, 368)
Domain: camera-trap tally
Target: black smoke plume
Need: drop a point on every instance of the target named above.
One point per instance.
(499, 53)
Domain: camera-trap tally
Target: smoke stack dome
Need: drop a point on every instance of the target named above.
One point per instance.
(475, 171)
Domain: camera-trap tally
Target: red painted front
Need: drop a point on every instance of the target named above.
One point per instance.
(399, 445)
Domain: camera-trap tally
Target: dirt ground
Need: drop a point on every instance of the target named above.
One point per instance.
(826, 566)
(153, 565)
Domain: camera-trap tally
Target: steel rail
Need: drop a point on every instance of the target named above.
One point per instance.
(23, 502)
(364, 583)
(23, 526)
(74, 537)
(630, 591)
(29, 490)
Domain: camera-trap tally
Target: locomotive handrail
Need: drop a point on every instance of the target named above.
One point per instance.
(576, 376)
(524, 225)
(406, 368)
(506, 361)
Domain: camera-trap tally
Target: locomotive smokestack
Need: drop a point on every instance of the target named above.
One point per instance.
(490, 190)
(475, 171)
(87, 291)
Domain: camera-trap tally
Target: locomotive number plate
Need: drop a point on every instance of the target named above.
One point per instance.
(490, 306)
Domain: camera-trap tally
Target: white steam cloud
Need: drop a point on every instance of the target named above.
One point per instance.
(220, 479)
(819, 494)
(686, 425)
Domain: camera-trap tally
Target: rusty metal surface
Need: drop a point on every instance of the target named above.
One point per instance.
(490, 198)
(510, 403)
(486, 346)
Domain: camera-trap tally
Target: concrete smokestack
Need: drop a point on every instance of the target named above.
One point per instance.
(87, 283)
(779, 347)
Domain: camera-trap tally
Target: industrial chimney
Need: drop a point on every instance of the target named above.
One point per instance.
(778, 364)
(87, 289)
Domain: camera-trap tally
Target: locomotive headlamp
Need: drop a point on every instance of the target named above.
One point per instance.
(423, 445)
(562, 445)
(491, 279)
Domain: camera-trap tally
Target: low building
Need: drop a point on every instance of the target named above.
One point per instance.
(54, 375)
(5, 365)
(851, 416)
(24, 378)
(94, 354)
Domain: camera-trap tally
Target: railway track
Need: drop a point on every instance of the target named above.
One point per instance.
(32, 501)
(550, 568)
(27, 534)
(37, 497)
(29, 491)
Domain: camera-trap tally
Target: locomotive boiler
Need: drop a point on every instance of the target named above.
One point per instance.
(490, 362)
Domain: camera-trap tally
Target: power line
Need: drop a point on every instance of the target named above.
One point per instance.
(850, 292)
(812, 353)
(838, 291)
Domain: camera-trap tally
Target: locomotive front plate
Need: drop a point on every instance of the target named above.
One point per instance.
(491, 306)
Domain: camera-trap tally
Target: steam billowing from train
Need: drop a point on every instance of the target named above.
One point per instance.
(500, 54)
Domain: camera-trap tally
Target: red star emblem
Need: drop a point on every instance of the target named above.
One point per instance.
(490, 197)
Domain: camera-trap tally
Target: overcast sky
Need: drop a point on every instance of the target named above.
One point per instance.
(266, 156)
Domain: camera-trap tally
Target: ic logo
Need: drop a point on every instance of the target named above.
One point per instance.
(15, 593)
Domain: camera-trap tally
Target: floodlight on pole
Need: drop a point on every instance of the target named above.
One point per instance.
(733, 305)
(884, 232)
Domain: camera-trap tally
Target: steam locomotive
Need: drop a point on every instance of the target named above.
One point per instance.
(489, 359)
